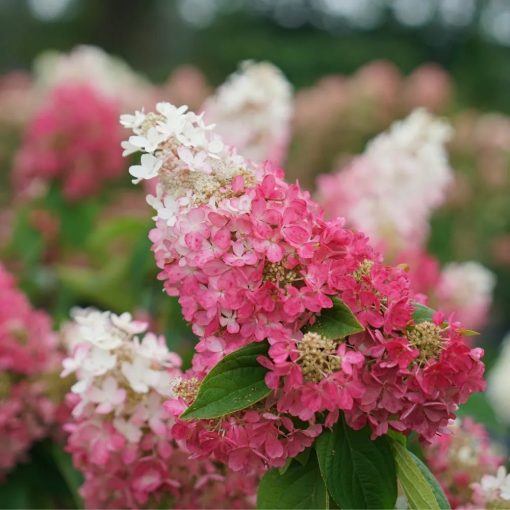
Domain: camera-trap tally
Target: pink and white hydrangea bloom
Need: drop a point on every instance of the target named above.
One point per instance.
(390, 190)
(251, 258)
(252, 111)
(465, 288)
(92, 66)
(120, 433)
(461, 457)
(493, 491)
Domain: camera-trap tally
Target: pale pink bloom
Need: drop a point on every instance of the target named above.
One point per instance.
(107, 396)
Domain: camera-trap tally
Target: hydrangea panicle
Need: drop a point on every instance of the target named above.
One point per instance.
(252, 258)
(390, 190)
(74, 139)
(252, 111)
(120, 432)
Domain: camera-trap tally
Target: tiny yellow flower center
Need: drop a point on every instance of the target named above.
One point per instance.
(318, 357)
(427, 338)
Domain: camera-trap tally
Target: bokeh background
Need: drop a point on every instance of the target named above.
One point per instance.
(376, 44)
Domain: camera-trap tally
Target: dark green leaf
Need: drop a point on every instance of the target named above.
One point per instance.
(299, 487)
(235, 383)
(418, 483)
(336, 322)
(422, 313)
(304, 456)
(359, 472)
(73, 478)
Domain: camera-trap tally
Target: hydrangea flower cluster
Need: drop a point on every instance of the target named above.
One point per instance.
(91, 66)
(120, 433)
(465, 288)
(74, 139)
(462, 457)
(28, 355)
(251, 258)
(390, 190)
(252, 111)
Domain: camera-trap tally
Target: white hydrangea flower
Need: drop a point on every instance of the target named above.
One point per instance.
(118, 373)
(149, 141)
(151, 410)
(167, 208)
(252, 111)
(110, 361)
(107, 396)
(98, 362)
(191, 162)
(128, 148)
(132, 121)
(494, 488)
(466, 288)
(139, 374)
(390, 191)
(93, 66)
(125, 323)
(97, 329)
(154, 348)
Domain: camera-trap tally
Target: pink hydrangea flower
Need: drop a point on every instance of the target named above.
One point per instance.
(73, 139)
(251, 258)
(28, 359)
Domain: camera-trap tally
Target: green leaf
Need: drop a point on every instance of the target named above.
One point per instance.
(422, 313)
(235, 383)
(397, 436)
(336, 322)
(359, 472)
(304, 456)
(420, 487)
(77, 219)
(302, 459)
(72, 477)
(299, 487)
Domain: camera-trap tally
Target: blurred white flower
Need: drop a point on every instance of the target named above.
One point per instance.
(466, 288)
(93, 66)
(252, 111)
(390, 191)
(498, 379)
